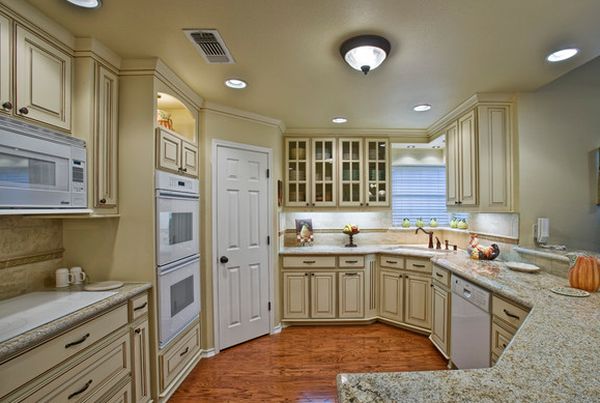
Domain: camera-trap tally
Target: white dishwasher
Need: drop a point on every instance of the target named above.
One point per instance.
(471, 325)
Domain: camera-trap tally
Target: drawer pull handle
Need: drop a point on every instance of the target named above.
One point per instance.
(74, 343)
(439, 275)
(184, 352)
(391, 261)
(510, 315)
(80, 391)
(138, 330)
(137, 308)
(350, 274)
(418, 265)
(351, 261)
(309, 261)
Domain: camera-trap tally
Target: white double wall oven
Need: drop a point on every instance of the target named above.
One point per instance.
(177, 253)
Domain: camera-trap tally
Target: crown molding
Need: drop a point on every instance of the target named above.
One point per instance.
(239, 113)
(339, 131)
(91, 47)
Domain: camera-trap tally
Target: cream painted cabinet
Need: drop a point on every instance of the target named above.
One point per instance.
(324, 191)
(377, 187)
(296, 297)
(140, 360)
(350, 169)
(468, 163)
(323, 295)
(440, 318)
(296, 172)
(43, 80)
(6, 103)
(351, 294)
(106, 139)
(417, 307)
(452, 165)
(391, 294)
(175, 154)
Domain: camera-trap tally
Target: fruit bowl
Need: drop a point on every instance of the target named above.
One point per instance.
(351, 230)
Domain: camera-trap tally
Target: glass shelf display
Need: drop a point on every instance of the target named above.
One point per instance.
(323, 168)
(351, 172)
(377, 162)
(297, 172)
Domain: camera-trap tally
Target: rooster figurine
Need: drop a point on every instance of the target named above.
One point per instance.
(479, 252)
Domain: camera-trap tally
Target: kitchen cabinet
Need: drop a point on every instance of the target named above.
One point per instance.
(417, 307)
(324, 191)
(296, 173)
(140, 359)
(452, 165)
(6, 100)
(377, 189)
(440, 318)
(296, 297)
(176, 356)
(391, 294)
(467, 161)
(351, 294)
(323, 295)
(350, 172)
(43, 80)
(175, 154)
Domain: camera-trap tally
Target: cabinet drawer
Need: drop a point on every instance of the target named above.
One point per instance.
(500, 338)
(422, 266)
(509, 313)
(175, 357)
(441, 276)
(138, 306)
(20, 370)
(351, 261)
(309, 262)
(91, 378)
(395, 262)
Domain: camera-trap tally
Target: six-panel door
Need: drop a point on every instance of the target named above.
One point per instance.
(391, 294)
(351, 294)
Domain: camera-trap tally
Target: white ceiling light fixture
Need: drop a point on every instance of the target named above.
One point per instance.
(339, 120)
(236, 83)
(562, 54)
(421, 108)
(86, 3)
(365, 52)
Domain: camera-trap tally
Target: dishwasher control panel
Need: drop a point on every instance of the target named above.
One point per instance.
(472, 293)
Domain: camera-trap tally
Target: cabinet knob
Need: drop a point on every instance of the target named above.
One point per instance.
(307, 204)
(306, 274)
(7, 105)
(23, 111)
(361, 204)
(367, 204)
(183, 169)
(138, 330)
(102, 201)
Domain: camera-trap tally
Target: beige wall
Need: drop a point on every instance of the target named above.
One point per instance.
(404, 156)
(217, 125)
(559, 130)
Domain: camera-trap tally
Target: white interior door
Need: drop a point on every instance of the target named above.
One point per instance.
(243, 252)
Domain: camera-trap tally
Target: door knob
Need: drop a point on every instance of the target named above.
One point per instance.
(224, 259)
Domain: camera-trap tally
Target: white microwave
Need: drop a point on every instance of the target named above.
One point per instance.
(40, 170)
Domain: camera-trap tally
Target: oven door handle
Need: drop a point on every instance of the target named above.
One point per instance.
(162, 271)
(176, 196)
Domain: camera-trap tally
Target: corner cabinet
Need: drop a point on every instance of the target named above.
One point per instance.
(377, 172)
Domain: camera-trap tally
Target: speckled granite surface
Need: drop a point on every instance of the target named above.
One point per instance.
(18, 344)
(554, 357)
(406, 250)
(560, 255)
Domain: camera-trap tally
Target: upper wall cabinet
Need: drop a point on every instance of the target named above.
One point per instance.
(43, 80)
(296, 172)
(351, 172)
(6, 103)
(377, 177)
(324, 172)
(175, 154)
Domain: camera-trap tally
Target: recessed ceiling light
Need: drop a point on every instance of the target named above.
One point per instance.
(421, 108)
(86, 3)
(411, 146)
(436, 147)
(562, 54)
(339, 119)
(236, 83)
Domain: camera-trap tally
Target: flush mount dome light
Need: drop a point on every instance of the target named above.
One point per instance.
(339, 119)
(365, 52)
(236, 83)
(562, 54)
(86, 3)
(421, 108)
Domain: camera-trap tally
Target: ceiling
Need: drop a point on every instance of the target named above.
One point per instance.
(288, 51)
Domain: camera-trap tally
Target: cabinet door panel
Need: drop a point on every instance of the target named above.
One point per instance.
(351, 295)
(417, 309)
(350, 172)
(323, 295)
(5, 64)
(391, 294)
(440, 325)
(324, 185)
(141, 363)
(189, 159)
(452, 165)
(43, 80)
(106, 141)
(295, 295)
(169, 151)
(377, 172)
(297, 165)
(468, 167)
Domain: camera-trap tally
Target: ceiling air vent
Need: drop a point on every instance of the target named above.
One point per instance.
(210, 45)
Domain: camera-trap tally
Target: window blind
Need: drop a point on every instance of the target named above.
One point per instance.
(419, 191)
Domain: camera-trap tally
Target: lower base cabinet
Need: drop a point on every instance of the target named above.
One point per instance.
(323, 295)
(174, 358)
(417, 310)
(351, 295)
(296, 295)
(440, 323)
(391, 295)
(140, 360)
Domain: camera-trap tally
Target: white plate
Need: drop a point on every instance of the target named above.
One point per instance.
(524, 267)
(103, 286)
(570, 292)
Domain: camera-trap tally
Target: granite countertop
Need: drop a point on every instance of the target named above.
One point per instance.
(553, 356)
(40, 334)
(553, 254)
(405, 250)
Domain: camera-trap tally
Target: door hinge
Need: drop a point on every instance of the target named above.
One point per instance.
(269, 305)
(268, 240)
(268, 173)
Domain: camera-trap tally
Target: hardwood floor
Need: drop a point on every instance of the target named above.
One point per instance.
(301, 363)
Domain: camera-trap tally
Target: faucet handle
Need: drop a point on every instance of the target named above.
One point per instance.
(438, 244)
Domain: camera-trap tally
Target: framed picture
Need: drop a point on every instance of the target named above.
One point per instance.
(279, 193)
(304, 231)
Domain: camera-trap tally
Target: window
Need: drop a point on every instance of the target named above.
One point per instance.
(419, 191)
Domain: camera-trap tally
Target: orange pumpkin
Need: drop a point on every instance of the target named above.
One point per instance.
(585, 274)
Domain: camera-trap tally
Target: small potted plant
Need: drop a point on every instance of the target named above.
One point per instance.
(351, 230)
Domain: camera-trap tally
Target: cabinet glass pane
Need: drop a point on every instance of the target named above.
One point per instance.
(346, 171)
(302, 192)
(302, 150)
(346, 192)
(293, 172)
(355, 192)
(318, 150)
(328, 150)
(355, 171)
(345, 150)
(319, 192)
(355, 150)
(293, 151)
(382, 171)
(372, 151)
(382, 193)
(381, 149)
(319, 171)
(329, 192)
(372, 171)
(302, 171)
(292, 195)
(372, 191)
(328, 171)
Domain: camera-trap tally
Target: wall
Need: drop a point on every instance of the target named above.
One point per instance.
(416, 156)
(228, 127)
(30, 250)
(559, 130)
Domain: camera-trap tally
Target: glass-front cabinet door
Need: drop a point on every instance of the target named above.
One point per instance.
(324, 190)
(350, 172)
(377, 171)
(296, 175)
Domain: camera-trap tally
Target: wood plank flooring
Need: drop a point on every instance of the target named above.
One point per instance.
(301, 363)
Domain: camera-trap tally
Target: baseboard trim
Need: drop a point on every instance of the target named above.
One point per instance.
(276, 329)
(211, 352)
